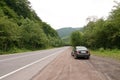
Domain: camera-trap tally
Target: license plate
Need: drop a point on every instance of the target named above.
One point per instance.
(83, 51)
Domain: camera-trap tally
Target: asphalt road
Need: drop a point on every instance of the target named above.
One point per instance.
(24, 66)
(65, 67)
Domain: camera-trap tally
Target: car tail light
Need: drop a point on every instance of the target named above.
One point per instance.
(88, 52)
(79, 52)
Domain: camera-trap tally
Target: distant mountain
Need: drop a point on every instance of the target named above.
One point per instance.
(66, 32)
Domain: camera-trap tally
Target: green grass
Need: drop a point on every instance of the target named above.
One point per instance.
(17, 50)
(14, 50)
(114, 53)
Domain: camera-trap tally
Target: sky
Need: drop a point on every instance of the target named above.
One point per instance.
(71, 13)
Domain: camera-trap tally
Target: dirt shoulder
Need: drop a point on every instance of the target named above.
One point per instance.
(108, 67)
(65, 67)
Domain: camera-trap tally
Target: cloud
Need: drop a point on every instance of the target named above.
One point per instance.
(70, 13)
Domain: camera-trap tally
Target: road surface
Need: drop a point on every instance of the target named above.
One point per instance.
(65, 67)
(25, 65)
(57, 64)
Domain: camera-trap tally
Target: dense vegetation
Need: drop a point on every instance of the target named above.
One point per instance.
(101, 33)
(20, 27)
(76, 38)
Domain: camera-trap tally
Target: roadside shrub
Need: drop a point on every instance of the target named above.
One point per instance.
(101, 49)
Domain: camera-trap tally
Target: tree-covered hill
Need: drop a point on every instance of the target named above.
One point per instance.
(65, 32)
(20, 27)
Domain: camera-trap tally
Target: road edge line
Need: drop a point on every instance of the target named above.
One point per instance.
(8, 74)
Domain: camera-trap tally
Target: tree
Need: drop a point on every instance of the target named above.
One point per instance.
(20, 27)
(76, 38)
(54, 39)
(9, 34)
(33, 36)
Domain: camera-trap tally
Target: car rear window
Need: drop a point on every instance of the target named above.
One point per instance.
(81, 48)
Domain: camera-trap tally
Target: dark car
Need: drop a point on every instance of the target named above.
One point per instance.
(80, 51)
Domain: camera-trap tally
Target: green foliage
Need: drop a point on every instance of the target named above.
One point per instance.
(103, 33)
(76, 38)
(9, 12)
(66, 40)
(33, 34)
(52, 35)
(114, 53)
(22, 8)
(9, 34)
(1, 13)
(48, 30)
(21, 28)
(101, 49)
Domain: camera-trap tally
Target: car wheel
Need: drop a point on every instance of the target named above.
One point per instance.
(71, 53)
(87, 57)
(75, 57)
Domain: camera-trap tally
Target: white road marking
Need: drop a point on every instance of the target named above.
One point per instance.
(17, 57)
(21, 56)
(28, 65)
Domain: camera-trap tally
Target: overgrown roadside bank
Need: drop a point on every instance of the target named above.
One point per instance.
(109, 53)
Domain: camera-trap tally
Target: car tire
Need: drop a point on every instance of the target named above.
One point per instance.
(71, 53)
(75, 57)
(88, 57)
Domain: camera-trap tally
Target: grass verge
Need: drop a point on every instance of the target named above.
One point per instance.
(17, 50)
(114, 53)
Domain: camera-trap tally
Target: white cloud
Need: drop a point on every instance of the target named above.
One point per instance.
(70, 13)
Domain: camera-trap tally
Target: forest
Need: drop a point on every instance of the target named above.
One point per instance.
(21, 28)
(100, 33)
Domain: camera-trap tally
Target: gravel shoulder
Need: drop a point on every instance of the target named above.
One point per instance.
(108, 67)
(65, 67)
